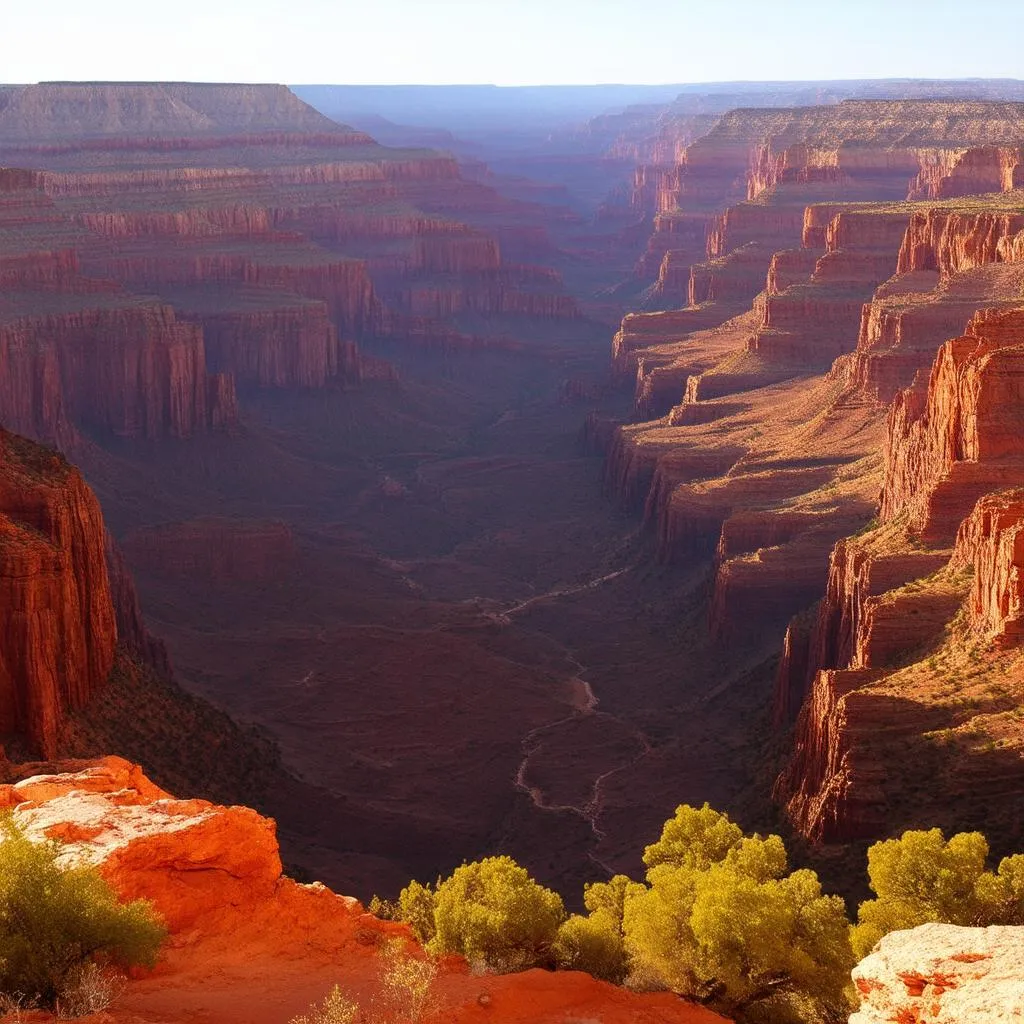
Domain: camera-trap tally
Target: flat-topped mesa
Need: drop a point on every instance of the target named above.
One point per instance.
(856, 149)
(55, 602)
(268, 339)
(877, 610)
(945, 449)
(799, 164)
(831, 787)
(851, 628)
(216, 550)
(961, 434)
(78, 110)
(125, 365)
(952, 442)
(643, 330)
(343, 284)
(955, 259)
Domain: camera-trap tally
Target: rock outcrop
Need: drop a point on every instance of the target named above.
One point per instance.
(248, 944)
(110, 363)
(216, 550)
(990, 543)
(959, 436)
(59, 629)
(943, 974)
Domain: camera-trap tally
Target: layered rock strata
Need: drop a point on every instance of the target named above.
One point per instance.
(59, 622)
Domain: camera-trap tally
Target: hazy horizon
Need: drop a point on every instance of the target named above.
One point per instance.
(528, 43)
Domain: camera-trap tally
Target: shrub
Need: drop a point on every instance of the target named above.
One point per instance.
(921, 878)
(56, 920)
(89, 989)
(721, 922)
(336, 1008)
(407, 983)
(416, 908)
(594, 943)
(492, 910)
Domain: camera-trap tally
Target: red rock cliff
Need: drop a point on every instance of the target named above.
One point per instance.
(59, 631)
(962, 435)
(124, 366)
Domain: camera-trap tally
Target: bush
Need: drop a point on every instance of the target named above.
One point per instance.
(336, 1008)
(416, 908)
(407, 983)
(721, 922)
(55, 920)
(89, 989)
(595, 943)
(493, 911)
(921, 878)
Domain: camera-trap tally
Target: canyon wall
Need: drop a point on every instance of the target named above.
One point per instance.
(859, 271)
(59, 622)
(888, 628)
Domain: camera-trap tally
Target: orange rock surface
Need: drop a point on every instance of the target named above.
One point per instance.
(250, 946)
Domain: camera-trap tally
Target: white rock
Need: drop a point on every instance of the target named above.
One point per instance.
(943, 974)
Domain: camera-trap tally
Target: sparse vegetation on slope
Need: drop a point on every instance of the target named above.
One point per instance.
(62, 928)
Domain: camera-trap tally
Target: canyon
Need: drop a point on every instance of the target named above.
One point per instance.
(501, 497)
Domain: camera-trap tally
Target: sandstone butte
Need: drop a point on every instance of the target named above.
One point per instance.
(944, 975)
(249, 945)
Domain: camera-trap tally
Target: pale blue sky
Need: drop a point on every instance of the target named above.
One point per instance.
(508, 42)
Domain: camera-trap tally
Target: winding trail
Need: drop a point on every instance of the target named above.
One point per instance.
(553, 595)
(585, 706)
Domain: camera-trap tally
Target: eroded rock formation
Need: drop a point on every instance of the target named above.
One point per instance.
(58, 619)
(248, 944)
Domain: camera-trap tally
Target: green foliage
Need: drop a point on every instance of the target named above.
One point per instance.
(493, 911)
(694, 839)
(416, 908)
(721, 922)
(594, 943)
(386, 910)
(54, 920)
(921, 878)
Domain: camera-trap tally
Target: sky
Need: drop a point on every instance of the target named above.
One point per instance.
(508, 42)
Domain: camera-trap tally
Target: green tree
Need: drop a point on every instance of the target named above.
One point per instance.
(55, 920)
(694, 839)
(594, 942)
(921, 878)
(721, 922)
(493, 911)
(416, 909)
